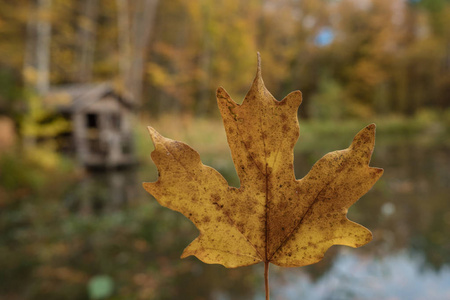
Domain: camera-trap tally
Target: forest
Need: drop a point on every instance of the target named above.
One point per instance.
(68, 232)
(373, 57)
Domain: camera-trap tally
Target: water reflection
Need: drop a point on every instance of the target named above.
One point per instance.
(396, 276)
(100, 192)
(407, 210)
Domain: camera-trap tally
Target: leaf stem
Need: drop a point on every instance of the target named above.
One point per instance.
(266, 279)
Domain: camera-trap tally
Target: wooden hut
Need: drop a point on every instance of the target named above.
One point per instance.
(101, 123)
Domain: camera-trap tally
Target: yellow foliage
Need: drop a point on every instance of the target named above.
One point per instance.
(34, 124)
(158, 76)
(271, 217)
(43, 156)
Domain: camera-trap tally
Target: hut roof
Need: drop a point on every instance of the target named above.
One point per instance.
(76, 97)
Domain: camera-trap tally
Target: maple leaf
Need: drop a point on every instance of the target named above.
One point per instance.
(271, 217)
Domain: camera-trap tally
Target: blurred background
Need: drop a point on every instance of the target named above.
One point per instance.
(81, 80)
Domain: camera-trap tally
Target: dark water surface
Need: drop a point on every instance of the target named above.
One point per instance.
(408, 211)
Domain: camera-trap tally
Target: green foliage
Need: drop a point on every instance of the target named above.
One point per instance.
(13, 177)
(29, 172)
(329, 101)
(10, 93)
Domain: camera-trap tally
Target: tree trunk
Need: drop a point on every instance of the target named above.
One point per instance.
(133, 41)
(205, 65)
(123, 36)
(43, 38)
(36, 63)
(142, 27)
(87, 32)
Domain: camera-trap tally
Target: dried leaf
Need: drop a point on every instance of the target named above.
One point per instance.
(271, 217)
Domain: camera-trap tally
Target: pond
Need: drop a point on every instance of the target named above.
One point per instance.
(111, 240)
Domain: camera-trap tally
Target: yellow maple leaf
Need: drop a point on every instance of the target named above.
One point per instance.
(271, 217)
